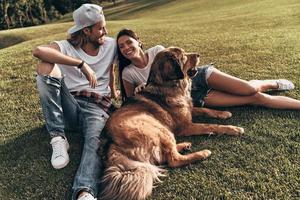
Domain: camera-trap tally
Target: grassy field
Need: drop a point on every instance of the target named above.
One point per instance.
(251, 39)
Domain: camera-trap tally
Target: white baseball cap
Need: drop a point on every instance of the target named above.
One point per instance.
(86, 15)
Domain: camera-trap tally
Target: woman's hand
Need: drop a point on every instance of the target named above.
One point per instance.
(116, 94)
(89, 74)
(139, 88)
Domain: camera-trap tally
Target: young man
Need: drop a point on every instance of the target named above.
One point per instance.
(75, 82)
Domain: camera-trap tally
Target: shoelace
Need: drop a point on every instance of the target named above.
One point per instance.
(57, 148)
(280, 85)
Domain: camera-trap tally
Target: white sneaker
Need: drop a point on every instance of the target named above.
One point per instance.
(60, 156)
(86, 196)
(284, 84)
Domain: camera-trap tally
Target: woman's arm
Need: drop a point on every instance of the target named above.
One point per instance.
(114, 93)
(129, 88)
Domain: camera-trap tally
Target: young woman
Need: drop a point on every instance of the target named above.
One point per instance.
(210, 87)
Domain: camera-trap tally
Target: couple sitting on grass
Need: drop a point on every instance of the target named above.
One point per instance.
(76, 82)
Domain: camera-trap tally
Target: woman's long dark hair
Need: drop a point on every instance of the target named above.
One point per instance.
(124, 62)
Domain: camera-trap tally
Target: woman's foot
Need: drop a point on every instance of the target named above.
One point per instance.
(272, 84)
(284, 84)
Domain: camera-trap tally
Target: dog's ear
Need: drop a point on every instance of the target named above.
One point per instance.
(165, 67)
(172, 68)
(155, 74)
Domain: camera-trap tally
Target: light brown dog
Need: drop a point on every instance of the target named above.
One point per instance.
(143, 130)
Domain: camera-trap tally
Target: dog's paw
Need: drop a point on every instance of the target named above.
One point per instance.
(184, 146)
(199, 155)
(224, 115)
(241, 130)
(204, 153)
(235, 130)
(188, 146)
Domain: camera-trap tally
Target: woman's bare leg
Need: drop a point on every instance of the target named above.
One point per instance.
(222, 99)
(224, 82)
(264, 85)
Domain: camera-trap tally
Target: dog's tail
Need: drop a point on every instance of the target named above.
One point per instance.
(130, 180)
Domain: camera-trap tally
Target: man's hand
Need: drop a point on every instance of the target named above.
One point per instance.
(139, 88)
(89, 74)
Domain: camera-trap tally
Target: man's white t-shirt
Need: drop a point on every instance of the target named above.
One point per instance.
(137, 76)
(101, 63)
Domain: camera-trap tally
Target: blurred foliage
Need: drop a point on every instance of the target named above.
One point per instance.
(22, 13)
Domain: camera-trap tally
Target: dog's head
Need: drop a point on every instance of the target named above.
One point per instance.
(173, 64)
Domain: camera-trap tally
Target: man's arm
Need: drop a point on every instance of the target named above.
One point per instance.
(52, 54)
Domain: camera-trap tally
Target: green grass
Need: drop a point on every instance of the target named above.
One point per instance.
(246, 38)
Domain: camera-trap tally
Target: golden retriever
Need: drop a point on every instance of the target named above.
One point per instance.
(142, 131)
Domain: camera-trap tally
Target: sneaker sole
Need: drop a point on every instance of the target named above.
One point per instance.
(61, 166)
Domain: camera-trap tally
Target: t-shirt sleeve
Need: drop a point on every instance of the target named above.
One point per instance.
(159, 48)
(127, 76)
(63, 45)
(115, 60)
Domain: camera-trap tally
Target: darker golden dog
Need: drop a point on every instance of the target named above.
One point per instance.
(142, 131)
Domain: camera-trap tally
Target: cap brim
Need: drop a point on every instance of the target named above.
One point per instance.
(74, 29)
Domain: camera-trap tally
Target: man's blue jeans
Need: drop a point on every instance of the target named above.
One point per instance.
(63, 111)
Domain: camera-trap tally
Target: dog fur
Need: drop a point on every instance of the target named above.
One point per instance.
(142, 131)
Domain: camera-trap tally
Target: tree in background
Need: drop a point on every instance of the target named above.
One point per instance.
(21, 13)
(5, 20)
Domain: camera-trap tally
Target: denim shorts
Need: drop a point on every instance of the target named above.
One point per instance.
(200, 87)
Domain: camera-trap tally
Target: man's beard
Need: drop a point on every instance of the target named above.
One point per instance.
(95, 43)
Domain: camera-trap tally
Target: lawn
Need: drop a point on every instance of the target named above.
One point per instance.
(251, 39)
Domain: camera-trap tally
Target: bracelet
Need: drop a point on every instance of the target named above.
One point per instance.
(80, 65)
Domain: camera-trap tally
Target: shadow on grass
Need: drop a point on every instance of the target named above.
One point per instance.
(10, 40)
(26, 171)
